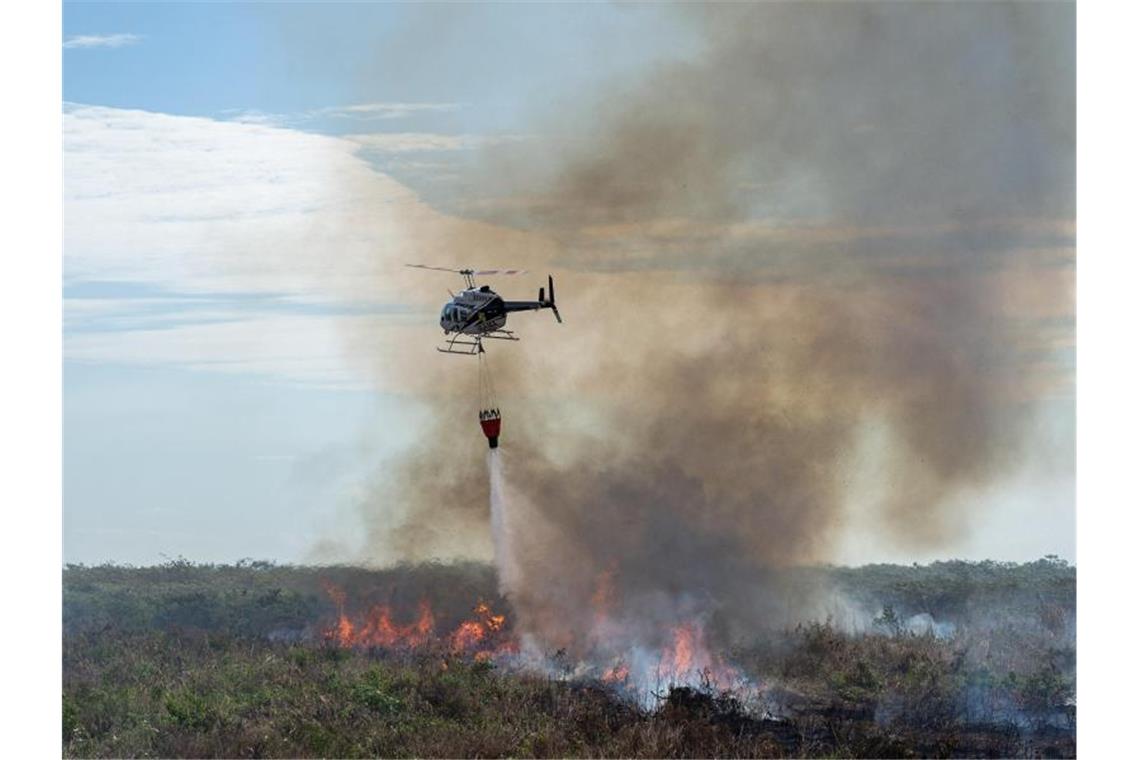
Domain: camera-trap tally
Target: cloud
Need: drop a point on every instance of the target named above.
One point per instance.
(199, 205)
(255, 116)
(77, 41)
(413, 142)
(362, 112)
(366, 111)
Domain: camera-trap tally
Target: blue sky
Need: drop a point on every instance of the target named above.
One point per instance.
(207, 59)
(241, 180)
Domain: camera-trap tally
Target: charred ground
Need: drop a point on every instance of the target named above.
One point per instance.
(954, 659)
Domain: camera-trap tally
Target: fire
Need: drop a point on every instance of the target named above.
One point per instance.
(679, 658)
(379, 630)
(471, 633)
(683, 658)
(688, 659)
(490, 620)
(617, 674)
(482, 636)
(344, 630)
(467, 635)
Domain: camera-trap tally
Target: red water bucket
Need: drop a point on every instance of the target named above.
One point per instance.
(491, 422)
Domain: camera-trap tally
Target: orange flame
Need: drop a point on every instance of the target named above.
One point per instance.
(379, 630)
(678, 659)
(481, 637)
(472, 633)
(688, 657)
(685, 657)
(343, 631)
(617, 674)
(468, 634)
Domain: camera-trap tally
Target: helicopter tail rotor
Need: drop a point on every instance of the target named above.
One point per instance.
(550, 303)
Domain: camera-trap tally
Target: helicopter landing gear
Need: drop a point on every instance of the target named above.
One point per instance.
(475, 344)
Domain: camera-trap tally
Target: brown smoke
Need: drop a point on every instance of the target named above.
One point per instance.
(821, 230)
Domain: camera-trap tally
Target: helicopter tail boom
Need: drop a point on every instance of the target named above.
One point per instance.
(541, 303)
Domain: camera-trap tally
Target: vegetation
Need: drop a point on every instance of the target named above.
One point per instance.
(197, 660)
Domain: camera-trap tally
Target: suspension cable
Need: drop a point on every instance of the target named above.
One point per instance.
(487, 396)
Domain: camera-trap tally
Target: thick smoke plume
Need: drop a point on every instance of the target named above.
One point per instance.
(834, 233)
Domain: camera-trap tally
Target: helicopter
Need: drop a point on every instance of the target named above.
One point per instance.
(477, 312)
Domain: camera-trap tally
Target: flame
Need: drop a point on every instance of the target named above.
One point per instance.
(490, 620)
(468, 634)
(678, 659)
(685, 658)
(471, 633)
(344, 630)
(617, 674)
(379, 630)
(482, 637)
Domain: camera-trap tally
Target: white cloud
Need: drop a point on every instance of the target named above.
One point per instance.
(381, 110)
(101, 41)
(198, 205)
(254, 116)
(410, 142)
(416, 142)
(357, 112)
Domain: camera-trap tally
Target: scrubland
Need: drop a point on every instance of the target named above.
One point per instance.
(182, 660)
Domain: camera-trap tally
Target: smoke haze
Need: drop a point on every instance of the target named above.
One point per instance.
(834, 230)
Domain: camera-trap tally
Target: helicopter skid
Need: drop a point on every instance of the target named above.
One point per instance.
(474, 346)
(501, 335)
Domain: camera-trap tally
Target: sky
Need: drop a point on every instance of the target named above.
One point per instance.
(231, 171)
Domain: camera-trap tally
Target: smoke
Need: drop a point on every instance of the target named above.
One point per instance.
(834, 224)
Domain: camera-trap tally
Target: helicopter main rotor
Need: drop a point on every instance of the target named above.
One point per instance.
(469, 275)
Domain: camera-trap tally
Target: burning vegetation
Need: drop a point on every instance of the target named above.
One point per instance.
(951, 659)
(482, 636)
(683, 659)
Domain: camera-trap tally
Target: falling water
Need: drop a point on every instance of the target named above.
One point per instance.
(502, 527)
